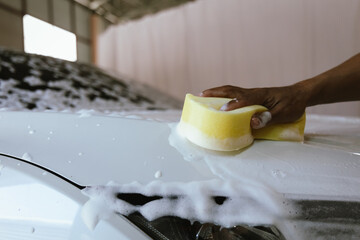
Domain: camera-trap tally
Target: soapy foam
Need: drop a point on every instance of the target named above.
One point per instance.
(291, 134)
(245, 203)
(93, 211)
(319, 172)
(264, 166)
(48, 83)
(158, 174)
(26, 156)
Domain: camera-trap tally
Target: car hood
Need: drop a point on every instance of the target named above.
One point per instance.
(94, 149)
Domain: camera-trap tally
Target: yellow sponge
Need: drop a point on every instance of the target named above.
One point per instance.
(205, 125)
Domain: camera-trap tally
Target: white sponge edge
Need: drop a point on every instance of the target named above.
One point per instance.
(195, 136)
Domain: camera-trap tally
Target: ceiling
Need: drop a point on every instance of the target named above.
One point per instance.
(117, 11)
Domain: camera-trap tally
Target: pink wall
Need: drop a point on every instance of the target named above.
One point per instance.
(253, 43)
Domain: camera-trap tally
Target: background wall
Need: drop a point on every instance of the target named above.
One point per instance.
(254, 43)
(65, 14)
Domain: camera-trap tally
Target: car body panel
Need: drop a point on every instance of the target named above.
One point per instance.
(93, 149)
(35, 204)
(97, 149)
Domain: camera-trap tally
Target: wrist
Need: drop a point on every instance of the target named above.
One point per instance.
(309, 91)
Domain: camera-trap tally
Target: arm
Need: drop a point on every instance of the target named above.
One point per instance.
(339, 84)
(288, 103)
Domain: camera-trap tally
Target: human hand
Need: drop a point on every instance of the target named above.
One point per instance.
(284, 104)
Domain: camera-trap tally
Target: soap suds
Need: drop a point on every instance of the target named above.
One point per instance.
(85, 113)
(278, 173)
(93, 211)
(325, 169)
(244, 203)
(32, 80)
(32, 131)
(158, 174)
(291, 134)
(45, 83)
(26, 156)
(286, 167)
(134, 117)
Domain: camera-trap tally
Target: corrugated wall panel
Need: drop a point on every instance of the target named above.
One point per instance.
(247, 43)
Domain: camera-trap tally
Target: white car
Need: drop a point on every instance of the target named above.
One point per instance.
(107, 173)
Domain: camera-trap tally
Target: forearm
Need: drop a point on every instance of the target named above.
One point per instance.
(339, 84)
(287, 104)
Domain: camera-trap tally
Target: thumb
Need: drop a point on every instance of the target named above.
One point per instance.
(260, 120)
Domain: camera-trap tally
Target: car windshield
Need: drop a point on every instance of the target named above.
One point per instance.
(39, 83)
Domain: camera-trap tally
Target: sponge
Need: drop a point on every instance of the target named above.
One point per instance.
(204, 124)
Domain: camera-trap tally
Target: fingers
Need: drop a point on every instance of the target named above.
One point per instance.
(281, 115)
(246, 97)
(277, 115)
(267, 118)
(258, 120)
(223, 91)
(285, 104)
(234, 104)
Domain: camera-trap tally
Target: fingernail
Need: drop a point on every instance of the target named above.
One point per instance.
(261, 120)
(224, 107)
(201, 94)
(255, 122)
